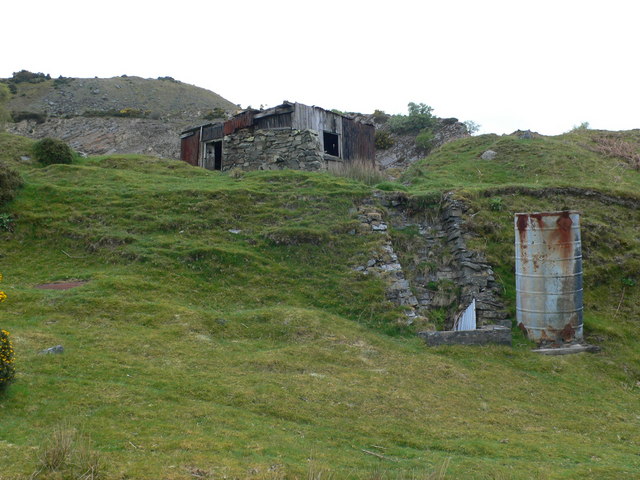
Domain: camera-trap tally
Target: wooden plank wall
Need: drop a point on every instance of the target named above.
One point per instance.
(358, 141)
(271, 122)
(212, 132)
(318, 119)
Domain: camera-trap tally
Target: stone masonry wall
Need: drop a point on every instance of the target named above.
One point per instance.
(273, 150)
(442, 272)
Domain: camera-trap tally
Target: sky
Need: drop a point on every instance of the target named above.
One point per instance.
(546, 65)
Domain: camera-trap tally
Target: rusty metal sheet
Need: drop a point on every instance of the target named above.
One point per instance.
(190, 148)
(549, 304)
(242, 120)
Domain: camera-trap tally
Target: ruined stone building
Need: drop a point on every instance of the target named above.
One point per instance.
(291, 135)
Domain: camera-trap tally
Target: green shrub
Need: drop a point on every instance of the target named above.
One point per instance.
(6, 222)
(496, 204)
(51, 150)
(10, 182)
(20, 116)
(60, 81)
(420, 117)
(216, 113)
(425, 139)
(383, 140)
(27, 76)
(379, 116)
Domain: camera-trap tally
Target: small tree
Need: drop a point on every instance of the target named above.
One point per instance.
(420, 117)
(51, 150)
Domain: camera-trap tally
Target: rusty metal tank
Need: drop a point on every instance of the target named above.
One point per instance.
(549, 276)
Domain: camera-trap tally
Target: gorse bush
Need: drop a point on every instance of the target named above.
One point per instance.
(49, 151)
(383, 140)
(7, 367)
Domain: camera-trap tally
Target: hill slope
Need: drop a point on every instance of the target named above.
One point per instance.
(113, 115)
(224, 333)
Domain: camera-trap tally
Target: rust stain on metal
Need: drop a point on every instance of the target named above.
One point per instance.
(567, 333)
(549, 276)
(242, 120)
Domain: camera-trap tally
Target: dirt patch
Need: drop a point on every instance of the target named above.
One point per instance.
(66, 285)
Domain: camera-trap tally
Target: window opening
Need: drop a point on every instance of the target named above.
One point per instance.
(331, 142)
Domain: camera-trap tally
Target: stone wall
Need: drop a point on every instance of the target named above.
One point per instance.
(443, 274)
(273, 150)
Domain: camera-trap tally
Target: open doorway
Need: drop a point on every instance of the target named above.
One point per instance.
(213, 155)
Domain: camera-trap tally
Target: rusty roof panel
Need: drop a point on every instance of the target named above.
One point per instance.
(242, 120)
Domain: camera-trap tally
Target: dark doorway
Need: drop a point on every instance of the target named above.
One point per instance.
(217, 164)
(331, 142)
(213, 156)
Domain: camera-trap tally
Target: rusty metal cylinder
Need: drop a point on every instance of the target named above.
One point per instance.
(549, 276)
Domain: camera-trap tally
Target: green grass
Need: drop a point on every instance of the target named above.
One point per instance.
(196, 352)
(562, 161)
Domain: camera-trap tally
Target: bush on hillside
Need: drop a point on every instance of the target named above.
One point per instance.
(7, 367)
(420, 117)
(425, 139)
(383, 140)
(27, 76)
(35, 116)
(7, 360)
(214, 114)
(51, 150)
(10, 182)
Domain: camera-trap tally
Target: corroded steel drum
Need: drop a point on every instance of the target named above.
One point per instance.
(549, 276)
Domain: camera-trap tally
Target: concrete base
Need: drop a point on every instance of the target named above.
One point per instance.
(492, 334)
(567, 349)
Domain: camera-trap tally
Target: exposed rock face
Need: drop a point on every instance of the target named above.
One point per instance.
(385, 263)
(108, 135)
(83, 112)
(404, 151)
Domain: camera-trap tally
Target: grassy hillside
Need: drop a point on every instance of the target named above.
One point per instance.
(222, 332)
(582, 158)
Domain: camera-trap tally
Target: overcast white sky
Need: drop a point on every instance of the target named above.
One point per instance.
(541, 65)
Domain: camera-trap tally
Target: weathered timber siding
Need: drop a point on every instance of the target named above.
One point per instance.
(274, 122)
(212, 132)
(190, 148)
(318, 119)
(358, 141)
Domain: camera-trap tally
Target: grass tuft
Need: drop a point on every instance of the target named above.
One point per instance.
(359, 170)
